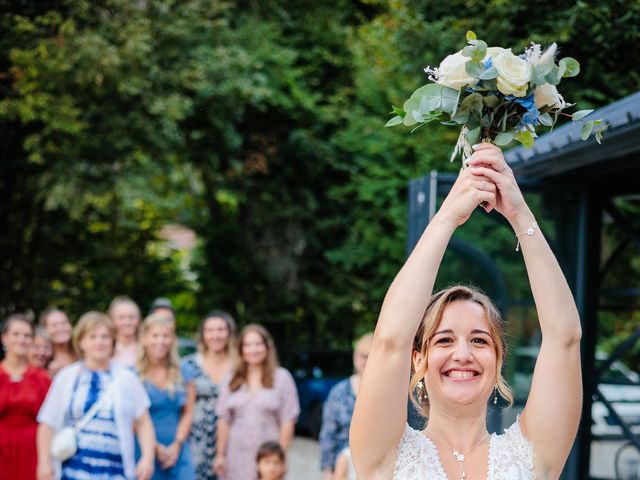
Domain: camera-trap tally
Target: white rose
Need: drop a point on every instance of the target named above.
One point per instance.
(547, 94)
(514, 73)
(452, 73)
(493, 52)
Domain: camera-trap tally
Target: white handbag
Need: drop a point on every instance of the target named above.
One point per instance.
(65, 443)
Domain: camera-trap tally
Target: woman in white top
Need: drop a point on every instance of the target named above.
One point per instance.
(457, 355)
(125, 314)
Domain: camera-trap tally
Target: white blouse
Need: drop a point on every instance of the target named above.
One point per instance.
(510, 457)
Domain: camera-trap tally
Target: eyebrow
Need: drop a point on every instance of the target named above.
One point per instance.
(476, 331)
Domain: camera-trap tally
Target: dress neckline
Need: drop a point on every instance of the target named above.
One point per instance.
(440, 467)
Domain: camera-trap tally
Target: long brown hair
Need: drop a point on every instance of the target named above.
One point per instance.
(269, 365)
(429, 325)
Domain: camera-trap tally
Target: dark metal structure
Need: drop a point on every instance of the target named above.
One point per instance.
(578, 185)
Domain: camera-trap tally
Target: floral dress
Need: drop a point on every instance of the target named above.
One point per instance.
(202, 440)
(336, 419)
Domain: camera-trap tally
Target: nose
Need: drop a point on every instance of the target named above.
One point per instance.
(462, 352)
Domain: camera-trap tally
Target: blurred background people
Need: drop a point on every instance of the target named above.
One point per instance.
(171, 400)
(125, 314)
(22, 390)
(272, 461)
(106, 443)
(338, 409)
(41, 350)
(208, 369)
(58, 326)
(162, 306)
(259, 404)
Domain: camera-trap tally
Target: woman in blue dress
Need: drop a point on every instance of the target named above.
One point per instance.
(171, 400)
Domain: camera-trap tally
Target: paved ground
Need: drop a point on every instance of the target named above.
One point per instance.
(304, 460)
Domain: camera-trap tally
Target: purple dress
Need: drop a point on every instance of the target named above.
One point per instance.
(255, 418)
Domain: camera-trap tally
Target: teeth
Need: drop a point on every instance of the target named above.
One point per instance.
(460, 374)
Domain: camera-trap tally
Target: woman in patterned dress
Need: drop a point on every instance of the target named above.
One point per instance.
(455, 339)
(171, 401)
(338, 410)
(259, 404)
(207, 370)
(106, 443)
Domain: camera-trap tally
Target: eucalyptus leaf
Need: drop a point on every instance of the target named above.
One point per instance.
(474, 68)
(586, 130)
(471, 36)
(468, 51)
(580, 114)
(546, 120)
(571, 65)
(554, 76)
(411, 105)
(449, 98)
(504, 138)
(489, 74)
(399, 111)
(480, 51)
(397, 120)
(491, 101)
(473, 136)
(526, 138)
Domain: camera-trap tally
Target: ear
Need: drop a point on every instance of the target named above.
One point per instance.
(417, 359)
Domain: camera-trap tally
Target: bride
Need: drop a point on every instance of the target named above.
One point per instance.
(448, 350)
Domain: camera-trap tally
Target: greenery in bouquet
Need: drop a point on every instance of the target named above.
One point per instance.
(495, 96)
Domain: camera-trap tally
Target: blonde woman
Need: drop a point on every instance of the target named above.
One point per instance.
(106, 443)
(58, 327)
(208, 370)
(125, 314)
(171, 400)
(259, 404)
(338, 409)
(451, 346)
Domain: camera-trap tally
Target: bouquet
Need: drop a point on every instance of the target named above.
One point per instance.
(495, 95)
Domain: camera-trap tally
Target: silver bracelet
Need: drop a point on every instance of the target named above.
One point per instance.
(530, 231)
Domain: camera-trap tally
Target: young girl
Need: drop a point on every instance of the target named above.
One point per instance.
(272, 462)
(171, 401)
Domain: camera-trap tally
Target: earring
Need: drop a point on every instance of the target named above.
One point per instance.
(495, 394)
(422, 392)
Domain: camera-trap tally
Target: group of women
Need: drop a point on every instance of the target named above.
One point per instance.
(135, 409)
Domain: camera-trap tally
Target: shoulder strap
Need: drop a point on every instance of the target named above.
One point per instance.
(95, 407)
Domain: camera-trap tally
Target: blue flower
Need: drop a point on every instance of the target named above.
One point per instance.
(488, 63)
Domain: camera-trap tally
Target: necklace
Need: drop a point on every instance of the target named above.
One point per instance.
(460, 457)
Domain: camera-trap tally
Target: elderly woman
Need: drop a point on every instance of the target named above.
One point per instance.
(455, 341)
(105, 441)
(22, 391)
(41, 350)
(338, 409)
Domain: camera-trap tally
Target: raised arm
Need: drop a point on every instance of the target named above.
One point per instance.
(553, 408)
(381, 405)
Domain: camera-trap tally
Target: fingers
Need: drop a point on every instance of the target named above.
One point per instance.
(486, 153)
(497, 178)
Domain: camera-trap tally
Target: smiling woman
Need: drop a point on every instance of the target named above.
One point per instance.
(456, 343)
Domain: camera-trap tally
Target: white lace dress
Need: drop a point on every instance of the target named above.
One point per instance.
(510, 457)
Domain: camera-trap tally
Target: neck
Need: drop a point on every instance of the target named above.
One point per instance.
(460, 431)
(61, 349)
(96, 364)
(127, 340)
(14, 362)
(254, 369)
(157, 363)
(216, 356)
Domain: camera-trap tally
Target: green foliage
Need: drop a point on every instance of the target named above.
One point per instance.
(259, 125)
